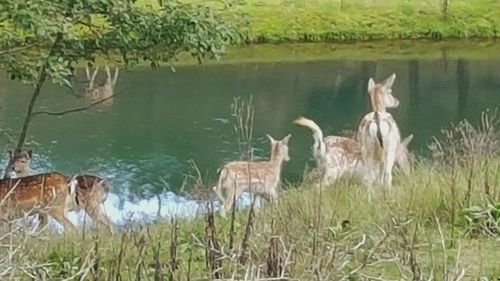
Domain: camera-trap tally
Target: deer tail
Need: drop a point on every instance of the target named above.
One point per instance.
(379, 132)
(317, 133)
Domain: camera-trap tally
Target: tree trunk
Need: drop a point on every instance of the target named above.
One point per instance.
(31, 106)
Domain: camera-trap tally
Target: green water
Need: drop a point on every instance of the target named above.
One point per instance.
(160, 120)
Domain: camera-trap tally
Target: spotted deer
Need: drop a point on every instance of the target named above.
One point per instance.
(378, 133)
(97, 93)
(258, 177)
(91, 191)
(338, 156)
(48, 194)
(19, 163)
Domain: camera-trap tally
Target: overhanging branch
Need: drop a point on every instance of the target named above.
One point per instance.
(77, 109)
(17, 49)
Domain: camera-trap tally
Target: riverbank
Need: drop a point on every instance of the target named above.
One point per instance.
(439, 222)
(322, 20)
(341, 20)
(450, 49)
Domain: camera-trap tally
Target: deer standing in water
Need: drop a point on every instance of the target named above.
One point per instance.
(47, 194)
(338, 156)
(378, 133)
(96, 93)
(258, 177)
(90, 193)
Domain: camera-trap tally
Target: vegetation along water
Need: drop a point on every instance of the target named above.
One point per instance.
(115, 89)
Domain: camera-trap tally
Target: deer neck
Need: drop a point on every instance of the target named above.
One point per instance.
(377, 102)
(24, 173)
(276, 164)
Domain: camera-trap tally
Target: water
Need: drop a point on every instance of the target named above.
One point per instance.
(161, 120)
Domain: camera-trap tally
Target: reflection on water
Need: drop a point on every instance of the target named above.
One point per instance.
(144, 141)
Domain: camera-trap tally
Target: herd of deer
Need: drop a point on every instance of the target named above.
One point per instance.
(52, 193)
(370, 156)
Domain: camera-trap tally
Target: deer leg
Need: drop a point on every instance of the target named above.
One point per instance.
(43, 220)
(97, 214)
(228, 201)
(60, 217)
(388, 166)
(273, 195)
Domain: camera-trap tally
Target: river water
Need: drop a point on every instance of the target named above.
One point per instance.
(145, 139)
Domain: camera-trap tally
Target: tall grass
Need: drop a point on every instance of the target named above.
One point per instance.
(440, 221)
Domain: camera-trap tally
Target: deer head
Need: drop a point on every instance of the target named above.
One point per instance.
(381, 94)
(403, 156)
(279, 149)
(20, 162)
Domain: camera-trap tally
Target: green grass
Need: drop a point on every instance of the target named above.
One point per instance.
(323, 20)
(440, 221)
(332, 233)
(343, 20)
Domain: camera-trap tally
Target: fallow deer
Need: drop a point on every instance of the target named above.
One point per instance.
(19, 163)
(47, 193)
(91, 191)
(96, 93)
(378, 133)
(258, 177)
(338, 156)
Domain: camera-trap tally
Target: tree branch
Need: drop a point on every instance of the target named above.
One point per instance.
(77, 109)
(17, 49)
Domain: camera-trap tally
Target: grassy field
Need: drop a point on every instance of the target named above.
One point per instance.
(439, 222)
(342, 20)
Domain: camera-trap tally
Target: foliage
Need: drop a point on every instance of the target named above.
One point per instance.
(483, 219)
(42, 40)
(46, 38)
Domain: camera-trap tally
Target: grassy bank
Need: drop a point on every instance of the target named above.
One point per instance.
(362, 20)
(342, 20)
(439, 222)
(376, 50)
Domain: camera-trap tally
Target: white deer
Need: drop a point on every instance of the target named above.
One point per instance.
(338, 156)
(378, 133)
(96, 93)
(258, 177)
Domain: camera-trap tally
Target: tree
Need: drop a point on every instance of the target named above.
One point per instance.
(43, 40)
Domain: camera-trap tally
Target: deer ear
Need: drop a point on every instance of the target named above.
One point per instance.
(390, 81)
(10, 152)
(371, 85)
(270, 138)
(30, 153)
(286, 139)
(407, 140)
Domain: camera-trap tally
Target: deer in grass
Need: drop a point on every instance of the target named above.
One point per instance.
(378, 133)
(338, 156)
(47, 194)
(258, 177)
(96, 93)
(90, 194)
